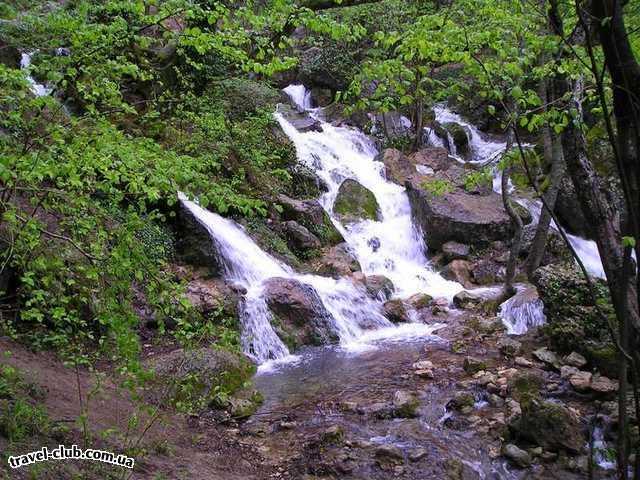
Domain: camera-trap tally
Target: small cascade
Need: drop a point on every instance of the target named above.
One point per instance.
(38, 89)
(300, 96)
(247, 265)
(522, 312)
(392, 246)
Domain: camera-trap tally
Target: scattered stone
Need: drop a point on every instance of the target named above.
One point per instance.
(395, 310)
(405, 404)
(580, 381)
(523, 362)
(423, 369)
(516, 455)
(473, 365)
(440, 306)
(603, 385)
(509, 347)
(548, 357)
(455, 251)
(332, 435)
(456, 470)
(574, 359)
(419, 300)
(418, 454)
(567, 371)
(495, 401)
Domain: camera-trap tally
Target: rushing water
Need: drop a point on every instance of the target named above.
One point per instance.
(392, 246)
(38, 89)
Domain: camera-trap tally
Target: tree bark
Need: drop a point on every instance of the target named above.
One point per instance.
(516, 222)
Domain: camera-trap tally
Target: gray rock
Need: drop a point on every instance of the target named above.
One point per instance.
(509, 347)
(458, 216)
(466, 300)
(516, 455)
(473, 365)
(300, 237)
(548, 357)
(299, 316)
(405, 404)
(302, 121)
(396, 311)
(311, 215)
(575, 360)
(338, 261)
(458, 271)
(455, 251)
(379, 287)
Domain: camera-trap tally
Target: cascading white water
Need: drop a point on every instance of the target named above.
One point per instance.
(299, 95)
(518, 314)
(247, 265)
(38, 89)
(392, 246)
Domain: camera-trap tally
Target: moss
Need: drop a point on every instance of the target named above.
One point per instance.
(603, 357)
(525, 387)
(243, 97)
(354, 202)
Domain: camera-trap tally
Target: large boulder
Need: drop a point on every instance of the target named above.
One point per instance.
(456, 133)
(396, 311)
(471, 219)
(379, 287)
(299, 316)
(311, 215)
(198, 374)
(549, 425)
(355, 203)
(337, 261)
(458, 271)
(400, 168)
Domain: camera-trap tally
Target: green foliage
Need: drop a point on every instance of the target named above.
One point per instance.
(437, 186)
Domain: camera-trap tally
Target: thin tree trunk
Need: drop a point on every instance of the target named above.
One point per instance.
(516, 222)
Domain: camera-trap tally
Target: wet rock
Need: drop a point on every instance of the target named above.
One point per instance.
(396, 311)
(457, 470)
(302, 121)
(311, 215)
(380, 410)
(580, 381)
(458, 134)
(549, 425)
(209, 295)
(299, 316)
(525, 386)
(305, 183)
(194, 244)
(355, 203)
(516, 455)
(548, 357)
(603, 385)
(487, 271)
(397, 166)
(321, 97)
(509, 347)
(379, 287)
(332, 435)
(419, 301)
(299, 237)
(424, 369)
(458, 271)
(495, 401)
(462, 401)
(338, 261)
(435, 158)
(466, 300)
(405, 404)
(418, 454)
(455, 251)
(575, 360)
(388, 456)
(440, 306)
(458, 216)
(473, 365)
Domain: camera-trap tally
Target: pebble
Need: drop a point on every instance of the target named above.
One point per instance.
(523, 362)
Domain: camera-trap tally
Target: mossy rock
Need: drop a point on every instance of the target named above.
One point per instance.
(243, 97)
(355, 203)
(200, 376)
(604, 357)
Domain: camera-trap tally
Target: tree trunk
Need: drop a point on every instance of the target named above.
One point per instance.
(516, 222)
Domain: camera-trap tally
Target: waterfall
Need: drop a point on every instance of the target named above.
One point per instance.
(518, 314)
(38, 89)
(392, 246)
(247, 265)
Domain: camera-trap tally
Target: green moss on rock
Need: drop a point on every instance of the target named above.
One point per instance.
(354, 203)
